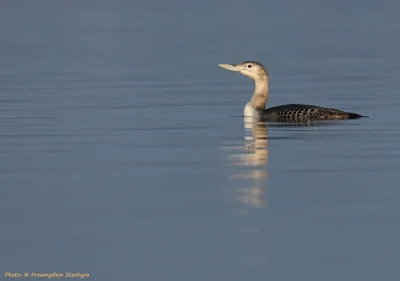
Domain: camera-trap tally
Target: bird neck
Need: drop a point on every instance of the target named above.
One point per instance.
(260, 96)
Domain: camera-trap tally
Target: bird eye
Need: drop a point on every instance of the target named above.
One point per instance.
(249, 66)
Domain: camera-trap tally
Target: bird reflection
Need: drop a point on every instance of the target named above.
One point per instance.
(253, 157)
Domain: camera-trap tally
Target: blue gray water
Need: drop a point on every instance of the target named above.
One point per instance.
(123, 156)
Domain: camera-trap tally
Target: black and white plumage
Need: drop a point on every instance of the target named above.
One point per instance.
(305, 111)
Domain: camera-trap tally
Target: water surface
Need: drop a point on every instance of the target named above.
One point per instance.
(121, 155)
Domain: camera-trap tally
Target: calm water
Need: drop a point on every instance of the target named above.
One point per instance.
(121, 155)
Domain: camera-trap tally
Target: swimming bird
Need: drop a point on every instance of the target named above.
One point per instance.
(289, 112)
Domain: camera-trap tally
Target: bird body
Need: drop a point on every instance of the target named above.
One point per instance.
(288, 112)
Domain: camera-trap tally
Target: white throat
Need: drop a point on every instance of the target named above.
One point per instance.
(249, 111)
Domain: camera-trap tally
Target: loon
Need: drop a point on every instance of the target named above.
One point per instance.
(288, 112)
